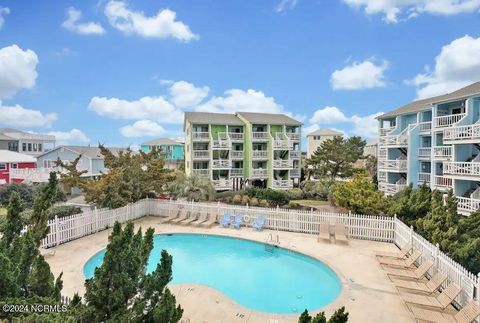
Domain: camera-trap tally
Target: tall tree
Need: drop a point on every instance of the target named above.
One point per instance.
(14, 223)
(192, 187)
(72, 176)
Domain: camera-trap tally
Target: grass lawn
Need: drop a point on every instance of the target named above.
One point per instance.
(311, 203)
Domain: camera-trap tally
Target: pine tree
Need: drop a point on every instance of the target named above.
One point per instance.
(13, 224)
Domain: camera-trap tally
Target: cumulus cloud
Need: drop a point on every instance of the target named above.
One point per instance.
(328, 115)
(73, 24)
(367, 126)
(360, 75)
(18, 116)
(284, 5)
(162, 25)
(457, 65)
(69, 137)
(3, 12)
(142, 128)
(394, 11)
(17, 70)
(184, 94)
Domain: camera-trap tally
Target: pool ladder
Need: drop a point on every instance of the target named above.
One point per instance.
(272, 242)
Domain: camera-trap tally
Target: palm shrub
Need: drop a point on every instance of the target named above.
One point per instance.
(245, 200)
(237, 199)
(295, 194)
(254, 201)
(192, 187)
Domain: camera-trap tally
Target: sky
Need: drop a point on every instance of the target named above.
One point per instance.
(124, 72)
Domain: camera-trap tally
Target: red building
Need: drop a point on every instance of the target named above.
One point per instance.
(11, 163)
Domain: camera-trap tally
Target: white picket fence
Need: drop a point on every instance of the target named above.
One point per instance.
(365, 227)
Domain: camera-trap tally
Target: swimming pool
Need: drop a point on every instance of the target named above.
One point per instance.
(278, 281)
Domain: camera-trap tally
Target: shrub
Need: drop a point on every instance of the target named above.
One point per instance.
(254, 201)
(273, 197)
(237, 199)
(60, 211)
(293, 204)
(295, 194)
(316, 189)
(230, 194)
(245, 199)
(227, 199)
(263, 203)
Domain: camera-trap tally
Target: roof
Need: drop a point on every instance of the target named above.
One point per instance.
(425, 104)
(7, 156)
(4, 137)
(87, 151)
(269, 118)
(19, 134)
(162, 142)
(213, 118)
(325, 132)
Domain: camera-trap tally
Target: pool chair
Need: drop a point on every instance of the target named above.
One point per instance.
(210, 222)
(467, 314)
(190, 219)
(324, 233)
(440, 302)
(340, 233)
(237, 221)
(400, 262)
(225, 221)
(201, 218)
(185, 216)
(416, 273)
(421, 286)
(400, 254)
(259, 223)
(172, 217)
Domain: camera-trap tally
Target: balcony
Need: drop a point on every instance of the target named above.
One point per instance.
(236, 136)
(295, 154)
(34, 175)
(425, 126)
(221, 163)
(260, 136)
(282, 183)
(385, 131)
(443, 182)
(392, 188)
(201, 154)
(281, 143)
(222, 144)
(282, 163)
(442, 152)
(464, 133)
(201, 172)
(259, 154)
(236, 172)
(424, 152)
(293, 136)
(382, 176)
(259, 173)
(393, 164)
(462, 168)
(236, 154)
(222, 184)
(424, 178)
(447, 121)
(200, 136)
(395, 141)
(467, 205)
(295, 172)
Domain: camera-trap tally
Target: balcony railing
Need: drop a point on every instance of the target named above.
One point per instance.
(201, 172)
(425, 126)
(382, 176)
(424, 177)
(34, 175)
(294, 154)
(293, 136)
(260, 136)
(398, 140)
(447, 121)
(282, 163)
(260, 154)
(222, 144)
(462, 168)
(201, 154)
(424, 152)
(468, 205)
(295, 172)
(280, 143)
(443, 182)
(442, 152)
(392, 188)
(393, 164)
(220, 184)
(235, 136)
(282, 183)
(236, 172)
(200, 136)
(259, 173)
(237, 154)
(385, 131)
(462, 132)
(221, 163)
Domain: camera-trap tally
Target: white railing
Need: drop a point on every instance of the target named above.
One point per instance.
(282, 163)
(259, 154)
(236, 172)
(282, 183)
(282, 144)
(260, 136)
(40, 175)
(447, 121)
(221, 163)
(462, 132)
(196, 135)
(393, 164)
(236, 136)
(201, 154)
(462, 168)
(222, 144)
(465, 204)
(382, 176)
(293, 136)
(443, 182)
(425, 126)
(259, 173)
(385, 131)
(295, 154)
(398, 140)
(424, 152)
(222, 183)
(382, 153)
(295, 172)
(424, 177)
(392, 188)
(201, 172)
(364, 227)
(237, 154)
(442, 152)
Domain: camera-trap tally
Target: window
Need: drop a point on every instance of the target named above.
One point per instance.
(13, 146)
(40, 147)
(3, 166)
(29, 147)
(14, 165)
(24, 147)
(35, 147)
(47, 163)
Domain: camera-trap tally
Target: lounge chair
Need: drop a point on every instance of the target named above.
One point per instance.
(400, 254)
(401, 263)
(190, 219)
(185, 216)
(416, 273)
(421, 286)
(226, 220)
(467, 314)
(440, 302)
(258, 223)
(237, 221)
(210, 222)
(201, 218)
(340, 233)
(324, 232)
(172, 217)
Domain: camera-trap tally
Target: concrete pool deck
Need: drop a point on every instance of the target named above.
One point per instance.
(367, 293)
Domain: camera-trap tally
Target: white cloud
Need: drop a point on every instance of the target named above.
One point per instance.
(84, 28)
(155, 108)
(360, 75)
(395, 10)
(162, 25)
(328, 115)
(367, 126)
(142, 128)
(17, 116)
(284, 5)
(69, 137)
(17, 70)
(3, 12)
(457, 65)
(184, 94)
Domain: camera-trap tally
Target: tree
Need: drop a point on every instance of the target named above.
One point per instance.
(335, 157)
(14, 223)
(371, 167)
(466, 248)
(192, 187)
(72, 177)
(339, 316)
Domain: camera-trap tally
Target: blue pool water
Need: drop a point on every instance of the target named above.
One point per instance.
(281, 281)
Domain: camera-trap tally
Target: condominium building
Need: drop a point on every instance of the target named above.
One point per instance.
(243, 149)
(25, 142)
(315, 139)
(171, 151)
(434, 141)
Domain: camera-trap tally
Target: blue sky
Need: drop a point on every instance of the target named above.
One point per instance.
(123, 72)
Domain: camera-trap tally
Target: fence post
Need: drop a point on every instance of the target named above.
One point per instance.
(57, 231)
(348, 221)
(169, 206)
(276, 217)
(95, 212)
(394, 228)
(435, 255)
(411, 235)
(478, 289)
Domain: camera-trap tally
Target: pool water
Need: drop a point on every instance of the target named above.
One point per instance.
(278, 281)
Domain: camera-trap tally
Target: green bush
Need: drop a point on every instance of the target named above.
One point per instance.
(245, 200)
(60, 211)
(295, 194)
(27, 193)
(254, 201)
(293, 204)
(263, 203)
(230, 194)
(316, 189)
(237, 199)
(273, 197)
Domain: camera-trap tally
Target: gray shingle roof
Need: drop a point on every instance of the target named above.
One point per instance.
(162, 142)
(90, 152)
(269, 118)
(325, 132)
(213, 118)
